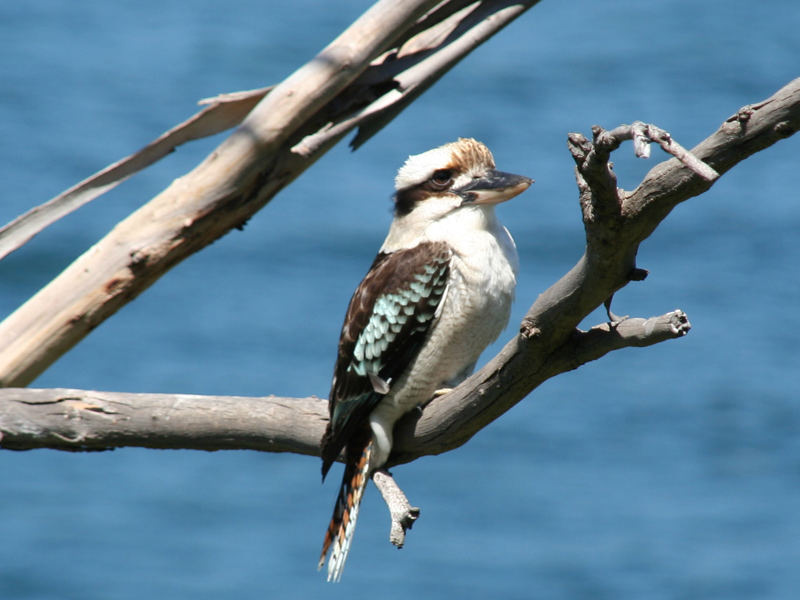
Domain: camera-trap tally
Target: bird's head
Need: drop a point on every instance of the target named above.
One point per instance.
(460, 174)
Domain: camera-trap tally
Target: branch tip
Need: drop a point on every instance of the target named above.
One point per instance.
(642, 135)
(403, 514)
(637, 274)
(679, 321)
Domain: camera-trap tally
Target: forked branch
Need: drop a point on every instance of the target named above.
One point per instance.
(549, 341)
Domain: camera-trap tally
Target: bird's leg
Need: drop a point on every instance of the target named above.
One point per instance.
(452, 383)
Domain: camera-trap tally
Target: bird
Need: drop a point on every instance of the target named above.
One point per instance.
(437, 293)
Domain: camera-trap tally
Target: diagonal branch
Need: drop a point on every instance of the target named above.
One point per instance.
(549, 342)
(220, 114)
(616, 223)
(261, 157)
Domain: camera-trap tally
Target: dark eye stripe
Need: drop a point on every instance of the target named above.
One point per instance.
(406, 200)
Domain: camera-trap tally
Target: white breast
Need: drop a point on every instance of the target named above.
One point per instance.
(474, 311)
(479, 294)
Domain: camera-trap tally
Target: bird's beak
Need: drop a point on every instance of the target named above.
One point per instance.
(493, 188)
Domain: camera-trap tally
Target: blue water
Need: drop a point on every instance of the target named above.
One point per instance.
(667, 472)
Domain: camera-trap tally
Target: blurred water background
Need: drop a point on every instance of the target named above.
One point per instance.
(666, 472)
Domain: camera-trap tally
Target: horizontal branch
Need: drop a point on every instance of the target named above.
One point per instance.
(66, 419)
(548, 342)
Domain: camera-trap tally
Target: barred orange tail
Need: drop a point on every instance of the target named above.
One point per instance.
(345, 513)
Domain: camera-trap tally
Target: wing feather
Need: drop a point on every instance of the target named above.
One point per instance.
(387, 321)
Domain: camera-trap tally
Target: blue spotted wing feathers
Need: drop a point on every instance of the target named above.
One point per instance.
(387, 321)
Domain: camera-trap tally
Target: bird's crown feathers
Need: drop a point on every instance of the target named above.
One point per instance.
(465, 156)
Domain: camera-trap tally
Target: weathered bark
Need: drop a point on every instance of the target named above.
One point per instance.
(83, 420)
(549, 342)
(77, 420)
(616, 223)
(402, 513)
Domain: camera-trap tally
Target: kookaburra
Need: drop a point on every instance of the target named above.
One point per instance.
(437, 294)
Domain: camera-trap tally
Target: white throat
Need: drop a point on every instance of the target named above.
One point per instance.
(456, 227)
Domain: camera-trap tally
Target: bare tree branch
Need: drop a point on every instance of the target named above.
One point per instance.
(387, 86)
(642, 134)
(601, 339)
(66, 419)
(549, 342)
(83, 420)
(221, 113)
(403, 514)
(245, 172)
(616, 222)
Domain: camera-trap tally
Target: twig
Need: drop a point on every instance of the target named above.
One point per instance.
(644, 132)
(403, 514)
(642, 135)
(585, 346)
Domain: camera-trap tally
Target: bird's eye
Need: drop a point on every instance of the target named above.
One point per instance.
(442, 178)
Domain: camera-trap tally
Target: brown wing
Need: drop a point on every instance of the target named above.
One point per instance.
(387, 321)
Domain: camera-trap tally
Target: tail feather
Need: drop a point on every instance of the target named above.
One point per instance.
(345, 513)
